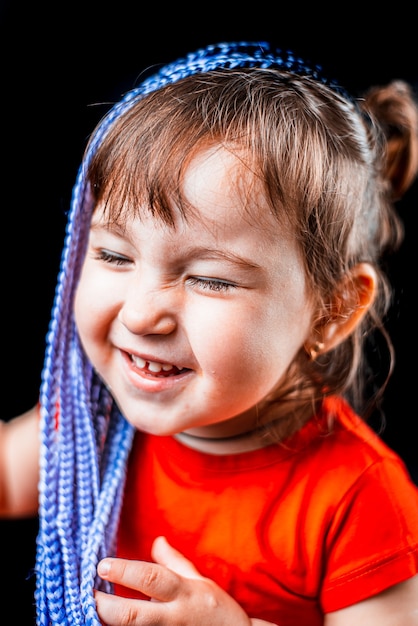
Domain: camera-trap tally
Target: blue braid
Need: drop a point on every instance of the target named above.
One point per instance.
(85, 441)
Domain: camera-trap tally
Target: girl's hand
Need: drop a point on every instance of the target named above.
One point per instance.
(179, 594)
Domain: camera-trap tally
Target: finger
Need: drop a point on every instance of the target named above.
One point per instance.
(152, 579)
(117, 611)
(113, 612)
(163, 553)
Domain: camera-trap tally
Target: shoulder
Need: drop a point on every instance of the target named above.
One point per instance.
(351, 443)
(348, 471)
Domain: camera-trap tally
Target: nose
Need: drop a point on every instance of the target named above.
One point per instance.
(149, 309)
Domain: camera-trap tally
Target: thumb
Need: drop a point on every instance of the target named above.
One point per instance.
(164, 554)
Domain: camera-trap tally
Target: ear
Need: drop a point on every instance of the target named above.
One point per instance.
(352, 301)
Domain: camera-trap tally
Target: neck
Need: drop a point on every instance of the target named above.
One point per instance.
(234, 444)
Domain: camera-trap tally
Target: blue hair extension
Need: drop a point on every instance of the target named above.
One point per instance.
(85, 441)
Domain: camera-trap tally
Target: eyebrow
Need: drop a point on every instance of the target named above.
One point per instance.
(192, 252)
(213, 254)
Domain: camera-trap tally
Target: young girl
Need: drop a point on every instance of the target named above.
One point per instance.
(200, 435)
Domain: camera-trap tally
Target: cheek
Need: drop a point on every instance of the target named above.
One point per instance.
(92, 311)
(241, 343)
(82, 314)
(252, 343)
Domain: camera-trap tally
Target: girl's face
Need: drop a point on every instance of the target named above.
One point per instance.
(191, 327)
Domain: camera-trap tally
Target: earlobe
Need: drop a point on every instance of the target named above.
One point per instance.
(351, 303)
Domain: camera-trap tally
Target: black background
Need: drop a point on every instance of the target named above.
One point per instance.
(61, 66)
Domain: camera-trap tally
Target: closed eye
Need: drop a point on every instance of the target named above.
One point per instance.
(112, 257)
(211, 284)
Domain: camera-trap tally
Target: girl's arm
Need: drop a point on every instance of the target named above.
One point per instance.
(397, 606)
(19, 465)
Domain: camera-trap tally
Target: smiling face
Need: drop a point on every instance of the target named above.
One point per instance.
(192, 325)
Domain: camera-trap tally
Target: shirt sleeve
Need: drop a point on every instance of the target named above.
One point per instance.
(372, 543)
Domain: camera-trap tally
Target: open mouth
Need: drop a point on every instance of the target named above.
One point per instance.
(157, 369)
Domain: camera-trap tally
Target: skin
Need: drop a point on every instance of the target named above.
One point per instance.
(214, 298)
(150, 293)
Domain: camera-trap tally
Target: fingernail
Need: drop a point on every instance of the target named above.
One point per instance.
(103, 568)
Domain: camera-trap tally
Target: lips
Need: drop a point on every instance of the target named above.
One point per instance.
(155, 368)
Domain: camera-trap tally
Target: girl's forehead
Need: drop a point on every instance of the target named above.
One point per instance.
(221, 186)
(218, 187)
(212, 175)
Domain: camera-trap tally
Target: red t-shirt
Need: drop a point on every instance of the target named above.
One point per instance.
(290, 531)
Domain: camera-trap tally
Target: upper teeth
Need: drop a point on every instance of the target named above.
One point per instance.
(153, 366)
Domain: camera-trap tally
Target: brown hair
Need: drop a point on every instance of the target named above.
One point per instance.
(330, 167)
